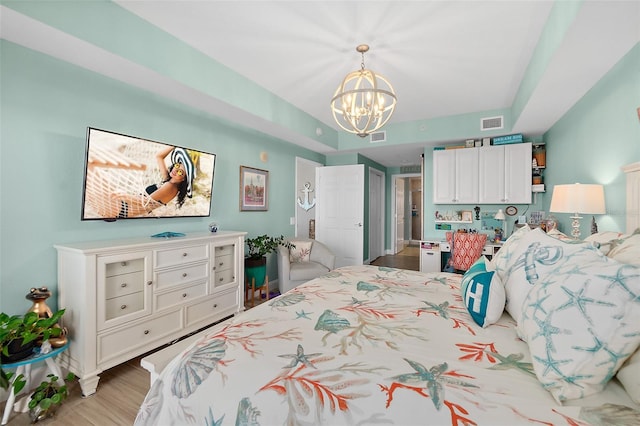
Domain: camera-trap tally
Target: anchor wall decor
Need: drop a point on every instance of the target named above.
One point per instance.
(307, 205)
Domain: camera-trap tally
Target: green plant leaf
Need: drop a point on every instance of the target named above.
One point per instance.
(45, 403)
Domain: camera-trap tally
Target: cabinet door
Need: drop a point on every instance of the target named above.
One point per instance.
(123, 288)
(444, 175)
(225, 264)
(491, 178)
(466, 175)
(518, 173)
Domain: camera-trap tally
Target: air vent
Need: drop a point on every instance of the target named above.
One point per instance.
(410, 169)
(492, 123)
(378, 137)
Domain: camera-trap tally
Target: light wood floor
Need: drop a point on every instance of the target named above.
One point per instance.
(122, 389)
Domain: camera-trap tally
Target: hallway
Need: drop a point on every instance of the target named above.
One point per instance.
(409, 258)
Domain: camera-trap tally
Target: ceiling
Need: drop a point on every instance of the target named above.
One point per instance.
(444, 58)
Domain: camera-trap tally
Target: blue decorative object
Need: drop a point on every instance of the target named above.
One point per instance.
(483, 294)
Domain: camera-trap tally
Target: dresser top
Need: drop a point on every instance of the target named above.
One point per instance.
(146, 242)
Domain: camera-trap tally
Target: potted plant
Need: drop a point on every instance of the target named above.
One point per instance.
(255, 263)
(19, 334)
(47, 397)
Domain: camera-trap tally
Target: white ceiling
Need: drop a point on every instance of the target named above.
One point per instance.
(443, 57)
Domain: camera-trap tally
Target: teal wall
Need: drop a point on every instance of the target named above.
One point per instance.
(46, 107)
(600, 134)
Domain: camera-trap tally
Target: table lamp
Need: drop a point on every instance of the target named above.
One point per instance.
(577, 198)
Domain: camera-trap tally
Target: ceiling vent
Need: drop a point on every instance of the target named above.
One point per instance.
(492, 123)
(378, 137)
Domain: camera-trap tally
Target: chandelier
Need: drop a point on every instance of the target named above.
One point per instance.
(364, 101)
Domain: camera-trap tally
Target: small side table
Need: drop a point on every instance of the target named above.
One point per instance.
(24, 367)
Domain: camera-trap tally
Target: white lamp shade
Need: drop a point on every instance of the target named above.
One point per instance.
(578, 198)
(500, 215)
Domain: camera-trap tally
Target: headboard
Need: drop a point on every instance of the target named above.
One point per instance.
(633, 196)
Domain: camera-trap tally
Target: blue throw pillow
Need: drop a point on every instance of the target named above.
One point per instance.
(483, 295)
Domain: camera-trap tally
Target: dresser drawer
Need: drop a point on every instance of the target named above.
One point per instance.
(178, 256)
(179, 276)
(223, 277)
(179, 296)
(124, 267)
(212, 309)
(120, 285)
(223, 250)
(118, 342)
(222, 263)
(124, 305)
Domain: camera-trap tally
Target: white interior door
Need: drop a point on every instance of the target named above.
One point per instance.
(400, 241)
(340, 211)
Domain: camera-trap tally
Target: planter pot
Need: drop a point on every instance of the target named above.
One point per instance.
(37, 413)
(18, 351)
(255, 268)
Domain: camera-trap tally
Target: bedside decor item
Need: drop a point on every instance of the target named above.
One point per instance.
(364, 101)
(213, 227)
(39, 298)
(253, 189)
(48, 396)
(577, 198)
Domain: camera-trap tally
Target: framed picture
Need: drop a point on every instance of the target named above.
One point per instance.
(254, 194)
(466, 216)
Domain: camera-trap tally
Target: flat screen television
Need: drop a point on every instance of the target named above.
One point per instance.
(127, 177)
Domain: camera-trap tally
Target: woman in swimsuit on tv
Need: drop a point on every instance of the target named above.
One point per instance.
(176, 182)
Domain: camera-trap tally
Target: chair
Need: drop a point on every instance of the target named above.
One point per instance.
(466, 249)
(252, 287)
(292, 274)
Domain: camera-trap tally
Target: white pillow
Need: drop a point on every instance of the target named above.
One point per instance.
(627, 250)
(605, 241)
(500, 259)
(629, 376)
(301, 252)
(581, 322)
(536, 253)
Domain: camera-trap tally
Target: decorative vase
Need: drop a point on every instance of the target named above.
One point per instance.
(255, 268)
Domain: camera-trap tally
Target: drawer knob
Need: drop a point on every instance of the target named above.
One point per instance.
(215, 305)
(123, 264)
(184, 275)
(149, 282)
(146, 332)
(221, 279)
(221, 263)
(214, 268)
(123, 285)
(123, 306)
(184, 294)
(184, 254)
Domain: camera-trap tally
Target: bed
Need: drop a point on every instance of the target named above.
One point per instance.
(547, 332)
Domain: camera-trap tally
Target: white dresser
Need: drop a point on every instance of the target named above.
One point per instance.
(126, 297)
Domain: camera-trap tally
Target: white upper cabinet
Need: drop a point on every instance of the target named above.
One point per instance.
(505, 174)
(455, 176)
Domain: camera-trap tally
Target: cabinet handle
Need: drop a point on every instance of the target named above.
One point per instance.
(123, 285)
(123, 263)
(184, 254)
(146, 332)
(149, 282)
(123, 306)
(184, 275)
(184, 294)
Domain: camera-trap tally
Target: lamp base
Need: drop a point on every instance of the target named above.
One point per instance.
(575, 226)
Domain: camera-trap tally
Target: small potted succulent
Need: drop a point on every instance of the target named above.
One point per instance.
(47, 397)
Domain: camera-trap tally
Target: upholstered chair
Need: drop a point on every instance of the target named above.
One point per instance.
(466, 248)
(308, 260)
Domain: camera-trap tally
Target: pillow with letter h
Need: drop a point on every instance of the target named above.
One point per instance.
(483, 294)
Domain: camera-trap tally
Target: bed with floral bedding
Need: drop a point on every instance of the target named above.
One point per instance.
(377, 345)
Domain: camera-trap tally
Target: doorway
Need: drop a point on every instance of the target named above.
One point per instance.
(407, 218)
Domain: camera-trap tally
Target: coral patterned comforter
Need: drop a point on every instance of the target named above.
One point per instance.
(364, 345)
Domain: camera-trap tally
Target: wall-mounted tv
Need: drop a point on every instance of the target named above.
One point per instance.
(132, 178)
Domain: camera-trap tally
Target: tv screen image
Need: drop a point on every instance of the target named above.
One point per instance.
(131, 178)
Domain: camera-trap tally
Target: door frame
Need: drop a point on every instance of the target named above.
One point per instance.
(392, 219)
